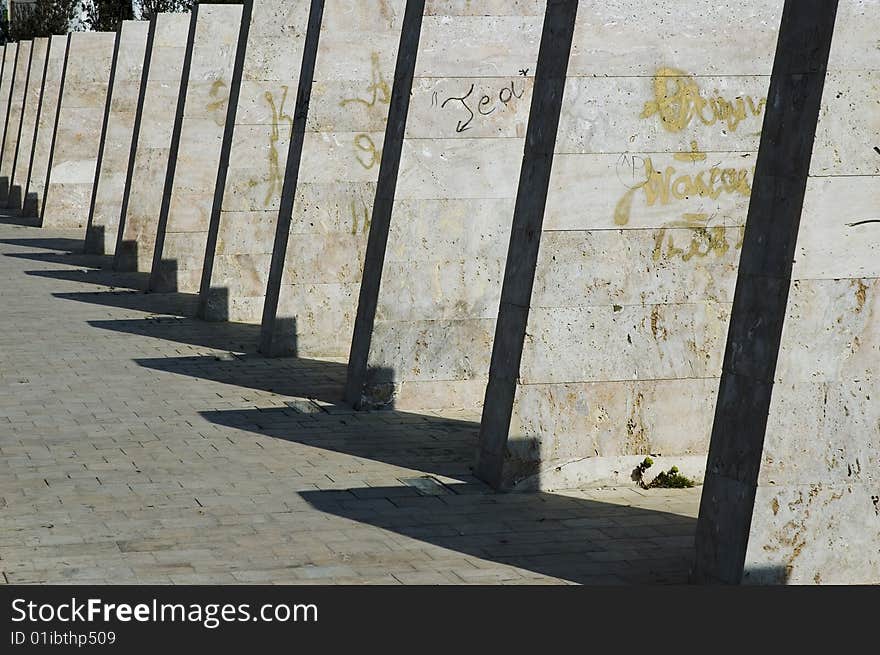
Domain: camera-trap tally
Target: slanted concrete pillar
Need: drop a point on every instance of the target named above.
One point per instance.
(211, 69)
(537, 163)
(330, 183)
(35, 192)
(74, 152)
(10, 53)
(791, 491)
(13, 119)
(441, 220)
(152, 140)
(30, 113)
(245, 208)
(618, 286)
(116, 136)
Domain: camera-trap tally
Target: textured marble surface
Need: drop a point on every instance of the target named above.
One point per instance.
(6, 83)
(152, 135)
(30, 113)
(116, 147)
(343, 145)
(264, 124)
(13, 119)
(441, 280)
(816, 517)
(74, 153)
(35, 194)
(198, 156)
(640, 246)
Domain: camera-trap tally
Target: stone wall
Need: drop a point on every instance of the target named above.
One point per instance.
(151, 143)
(431, 339)
(333, 199)
(817, 516)
(35, 193)
(13, 119)
(25, 147)
(242, 230)
(74, 153)
(10, 50)
(640, 242)
(118, 129)
(183, 228)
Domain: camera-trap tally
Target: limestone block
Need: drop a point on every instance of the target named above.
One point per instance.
(116, 146)
(153, 130)
(238, 266)
(13, 119)
(628, 38)
(450, 225)
(35, 193)
(74, 155)
(30, 114)
(10, 52)
(650, 188)
(179, 258)
(812, 471)
(849, 123)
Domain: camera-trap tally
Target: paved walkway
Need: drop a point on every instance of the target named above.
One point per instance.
(140, 446)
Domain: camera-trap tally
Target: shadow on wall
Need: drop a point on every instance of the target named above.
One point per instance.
(14, 201)
(94, 243)
(30, 207)
(766, 575)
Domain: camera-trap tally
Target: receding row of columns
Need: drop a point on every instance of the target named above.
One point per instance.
(157, 141)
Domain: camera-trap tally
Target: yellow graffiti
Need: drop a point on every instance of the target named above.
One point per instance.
(666, 187)
(691, 157)
(704, 240)
(276, 177)
(218, 106)
(364, 143)
(355, 217)
(679, 101)
(379, 89)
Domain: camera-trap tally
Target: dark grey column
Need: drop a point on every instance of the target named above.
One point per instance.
(761, 297)
(119, 259)
(525, 237)
(377, 240)
(225, 154)
(156, 267)
(291, 177)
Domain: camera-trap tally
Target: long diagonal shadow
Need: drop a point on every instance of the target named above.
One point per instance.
(63, 244)
(297, 378)
(575, 539)
(439, 502)
(178, 304)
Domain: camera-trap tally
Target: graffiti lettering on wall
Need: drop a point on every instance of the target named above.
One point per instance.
(367, 153)
(679, 101)
(379, 91)
(471, 105)
(279, 117)
(372, 156)
(356, 216)
(669, 186)
(217, 106)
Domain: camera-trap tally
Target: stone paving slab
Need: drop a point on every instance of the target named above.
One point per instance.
(138, 445)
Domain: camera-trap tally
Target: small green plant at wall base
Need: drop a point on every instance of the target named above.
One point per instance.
(672, 479)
